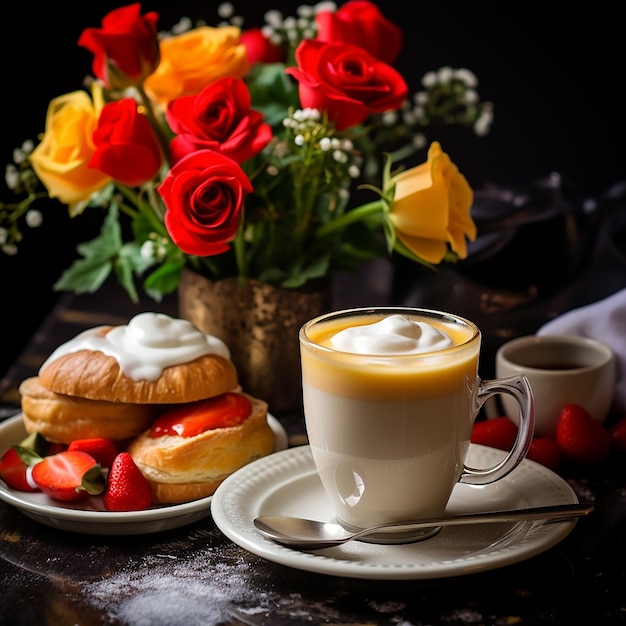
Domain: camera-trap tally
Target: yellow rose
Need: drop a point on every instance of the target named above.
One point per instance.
(431, 208)
(61, 159)
(194, 59)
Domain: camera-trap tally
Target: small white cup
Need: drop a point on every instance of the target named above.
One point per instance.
(389, 433)
(562, 370)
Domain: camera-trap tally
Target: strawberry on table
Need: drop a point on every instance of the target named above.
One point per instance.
(617, 432)
(498, 432)
(545, 450)
(68, 475)
(580, 438)
(127, 488)
(102, 449)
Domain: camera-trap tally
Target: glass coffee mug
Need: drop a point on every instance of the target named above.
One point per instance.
(390, 398)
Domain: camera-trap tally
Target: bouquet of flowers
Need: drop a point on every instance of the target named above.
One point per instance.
(237, 152)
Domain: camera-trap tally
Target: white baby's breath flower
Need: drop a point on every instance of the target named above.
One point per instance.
(419, 141)
(420, 97)
(272, 170)
(274, 18)
(354, 171)
(429, 79)
(471, 97)
(147, 250)
(389, 118)
(183, 25)
(340, 157)
(466, 76)
(12, 176)
(409, 118)
(33, 218)
(483, 123)
(325, 144)
(305, 11)
(9, 249)
(299, 140)
(325, 6)
(445, 74)
(225, 10)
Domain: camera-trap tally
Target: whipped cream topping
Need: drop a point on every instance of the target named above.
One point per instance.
(148, 344)
(395, 334)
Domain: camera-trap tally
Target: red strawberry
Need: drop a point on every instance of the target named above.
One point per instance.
(617, 432)
(127, 488)
(580, 438)
(498, 432)
(189, 420)
(102, 449)
(13, 471)
(68, 475)
(546, 451)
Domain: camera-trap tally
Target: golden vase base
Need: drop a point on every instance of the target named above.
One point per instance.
(259, 323)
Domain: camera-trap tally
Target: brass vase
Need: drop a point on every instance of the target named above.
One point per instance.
(259, 323)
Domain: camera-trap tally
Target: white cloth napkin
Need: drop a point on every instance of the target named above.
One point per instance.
(604, 320)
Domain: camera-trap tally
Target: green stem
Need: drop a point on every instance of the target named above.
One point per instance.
(154, 122)
(355, 215)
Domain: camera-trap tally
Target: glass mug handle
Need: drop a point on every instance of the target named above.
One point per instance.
(518, 387)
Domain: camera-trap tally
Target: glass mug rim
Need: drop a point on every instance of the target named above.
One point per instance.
(383, 311)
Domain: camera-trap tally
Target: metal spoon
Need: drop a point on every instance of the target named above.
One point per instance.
(306, 534)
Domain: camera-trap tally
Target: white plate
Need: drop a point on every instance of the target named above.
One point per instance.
(286, 483)
(89, 516)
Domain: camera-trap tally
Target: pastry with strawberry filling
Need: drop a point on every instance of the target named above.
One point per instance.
(112, 381)
(191, 449)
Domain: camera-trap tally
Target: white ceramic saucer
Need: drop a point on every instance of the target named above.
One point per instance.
(287, 483)
(88, 516)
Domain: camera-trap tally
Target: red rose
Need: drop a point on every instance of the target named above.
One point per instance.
(361, 23)
(126, 48)
(204, 194)
(219, 118)
(259, 48)
(346, 82)
(126, 147)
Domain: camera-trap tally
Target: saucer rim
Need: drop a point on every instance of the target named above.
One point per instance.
(244, 495)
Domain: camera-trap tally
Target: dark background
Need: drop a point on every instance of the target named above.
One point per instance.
(553, 70)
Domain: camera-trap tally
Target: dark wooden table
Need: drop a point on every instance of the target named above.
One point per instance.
(194, 575)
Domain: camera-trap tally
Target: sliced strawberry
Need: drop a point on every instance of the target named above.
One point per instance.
(617, 432)
(498, 432)
(546, 451)
(580, 438)
(226, 410)
(68, 475)
(15, 461)
(127, 488)
(102, 449)
(13, 471)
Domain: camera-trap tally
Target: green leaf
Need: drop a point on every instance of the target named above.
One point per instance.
(124, 271)
(27, 455)
(93, 481)
(272, 91)
(84, 276)
(165, 279)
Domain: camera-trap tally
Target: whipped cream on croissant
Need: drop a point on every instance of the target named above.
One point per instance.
(148, 344)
